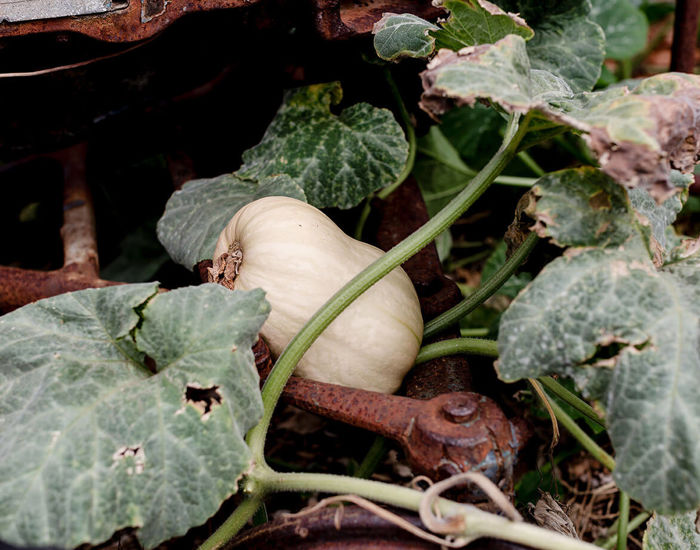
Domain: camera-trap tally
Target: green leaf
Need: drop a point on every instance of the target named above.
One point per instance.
(474, 132)
(582, 207)
(403, 35)
(140, 258)
(638, 135)
(567, 42)
(196, 214)
(473, 22)
(337, 160)
(95, 437)
(672, 532)
(625, 27)
(629, 335)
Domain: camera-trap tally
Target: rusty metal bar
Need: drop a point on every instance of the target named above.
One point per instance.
(685, 30)
(140, 19)
(80, 269)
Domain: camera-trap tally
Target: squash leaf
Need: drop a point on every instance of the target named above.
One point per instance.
(196, 214)
(403, 35)
(336, 159)
(582, 207)
(638, 134)
(672, 532)
(121, 407)
(629, 335)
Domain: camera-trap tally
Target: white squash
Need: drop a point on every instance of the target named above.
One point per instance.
(301, 258)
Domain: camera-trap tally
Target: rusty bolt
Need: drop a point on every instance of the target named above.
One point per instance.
(460, 409)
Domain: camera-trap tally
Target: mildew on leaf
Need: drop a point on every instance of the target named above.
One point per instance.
(639, 134)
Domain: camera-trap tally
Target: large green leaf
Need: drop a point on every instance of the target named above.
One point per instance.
(121, 408)
(629, 335)
(625, 27)
(639, 135)
(567, 42)
(678, 532)
(196, 214)
(337, 160)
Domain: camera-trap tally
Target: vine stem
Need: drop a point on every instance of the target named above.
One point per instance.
(624, 507)
(477, 522)
(571, 398)
(583, 438)
(474, 346)
(235, 522)
(296, 348)
(486, 290)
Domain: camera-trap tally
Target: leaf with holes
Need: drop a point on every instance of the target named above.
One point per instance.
(196, 214)
(629, 335)
(337, 160)
(121, 407)
(681, 531)
(639, 134)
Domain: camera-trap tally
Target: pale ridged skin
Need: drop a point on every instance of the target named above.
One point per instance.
(301, 258)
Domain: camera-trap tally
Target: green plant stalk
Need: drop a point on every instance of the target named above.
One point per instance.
(470, 259)
(531, 163)
(481, 294)
(296, 348)
(462, 168)
(235, 522)
(477, 522)
(474, 332)
(623, 520)
(373, 457)
(473, 346)
(610, 543)
(572, 399)
(583, 438)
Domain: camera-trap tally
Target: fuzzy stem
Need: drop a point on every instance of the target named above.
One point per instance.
(296, 348)
(624, 507)
(234, 523)
(610, 543)
(583, 438)
(486, 290)
(572, 399)
(473, 346)
(477, 522)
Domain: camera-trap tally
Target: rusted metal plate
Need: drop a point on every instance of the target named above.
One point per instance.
(15, 11)
(122, 21)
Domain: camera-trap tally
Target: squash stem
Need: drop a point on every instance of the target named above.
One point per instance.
(287, 361)
(623, 521)
(572, 399)
(583, 438)
(485, 291)
(473, 346)
(477, 523)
